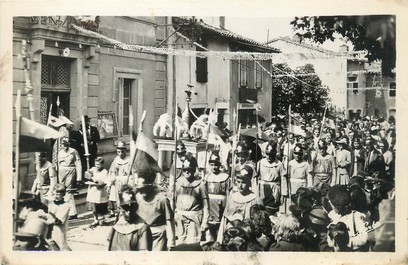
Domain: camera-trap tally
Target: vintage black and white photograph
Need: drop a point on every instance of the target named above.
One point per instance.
(204, 133)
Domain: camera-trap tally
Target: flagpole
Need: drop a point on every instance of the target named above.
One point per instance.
(257, 131)
(288, 153)
(17, 158)
(206, 143)
(173, 191)
(49, 115)
(233, 155)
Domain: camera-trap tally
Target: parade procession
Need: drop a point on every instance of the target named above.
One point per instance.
(177, 134)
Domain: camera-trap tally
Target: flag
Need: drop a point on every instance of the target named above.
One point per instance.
(146, 153)
(33, 134)
(54, 121)
(330, 118)
(294, 125)
(179, 113)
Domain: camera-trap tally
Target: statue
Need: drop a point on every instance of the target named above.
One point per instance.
(199, 128)
(163, 128)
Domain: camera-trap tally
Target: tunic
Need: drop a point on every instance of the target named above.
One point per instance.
(118, 175)
(59, 232)
(271, 179)
(126, 236)
(299, 175)
(156, 213)
(238, 206)
(218, 187)
(67, 170)
(189, 209)
(323, 168)
(98, 194)
(343, 167)
(46, 177)
(56, 148)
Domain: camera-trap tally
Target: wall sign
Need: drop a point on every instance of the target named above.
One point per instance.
(107, 125)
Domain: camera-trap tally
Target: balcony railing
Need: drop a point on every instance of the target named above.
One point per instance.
(87, 22)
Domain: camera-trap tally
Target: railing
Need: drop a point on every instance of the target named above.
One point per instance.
(86, 22)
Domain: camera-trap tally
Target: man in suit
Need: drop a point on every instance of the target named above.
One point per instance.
(374, 159)
(93, 138)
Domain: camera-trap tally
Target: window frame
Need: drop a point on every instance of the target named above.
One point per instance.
(136, 94)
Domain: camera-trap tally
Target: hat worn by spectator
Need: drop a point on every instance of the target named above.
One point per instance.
(342, 141)
(121, 145)
(245, 174)
(86, 118)
(319, 216)
(301, 206)
(339, 196)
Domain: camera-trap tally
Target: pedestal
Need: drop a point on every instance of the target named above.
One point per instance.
(197, 149)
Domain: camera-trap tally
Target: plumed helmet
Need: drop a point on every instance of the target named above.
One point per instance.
(271, 147)
(121, 145)
(215, 158)
(189, 163)
(180, 147)
(245, 173)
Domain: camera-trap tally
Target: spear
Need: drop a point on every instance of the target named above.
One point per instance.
(84, 135)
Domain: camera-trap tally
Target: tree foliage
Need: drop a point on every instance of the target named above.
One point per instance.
(374, 34)
(305, 92)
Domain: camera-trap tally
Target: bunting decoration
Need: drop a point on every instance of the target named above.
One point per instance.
(178, 52)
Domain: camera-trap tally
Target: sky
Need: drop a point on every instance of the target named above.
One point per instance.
(257, 29)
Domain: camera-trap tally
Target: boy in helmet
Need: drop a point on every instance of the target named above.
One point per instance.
(271, 173)
(238, 205)
(218, 186)
(191, 204)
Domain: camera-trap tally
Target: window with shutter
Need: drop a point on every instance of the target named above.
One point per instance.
(201, 68)
(243, 76)
(393, 88)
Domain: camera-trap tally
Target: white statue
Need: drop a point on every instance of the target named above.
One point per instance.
(163, 128)
(199, 128)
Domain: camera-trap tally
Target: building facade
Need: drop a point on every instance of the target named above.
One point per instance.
(357, 88)
(89, 77)
(221, 84)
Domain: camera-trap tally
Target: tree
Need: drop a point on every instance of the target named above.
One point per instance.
(304, 92)
(374, 34)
